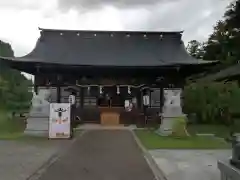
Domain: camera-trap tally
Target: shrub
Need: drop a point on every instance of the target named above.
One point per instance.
(179, 127)
(212, 102)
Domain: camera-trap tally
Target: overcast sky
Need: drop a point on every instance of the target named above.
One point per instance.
(20, 19)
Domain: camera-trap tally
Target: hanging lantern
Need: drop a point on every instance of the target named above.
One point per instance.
(129, 90)
(100, 90)
(88, 90)
(118, 90)
(48, 83)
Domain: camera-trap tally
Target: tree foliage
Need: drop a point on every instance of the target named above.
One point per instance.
(212, 103)
(195, 49)
(14, 94)
(224, 43)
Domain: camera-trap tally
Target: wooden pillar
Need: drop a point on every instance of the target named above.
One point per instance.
(36, 79)
(161, 99)
(139, 98)
(58, 89)
(81, 97)
(58, 93)
(35, 86)
(238, 81)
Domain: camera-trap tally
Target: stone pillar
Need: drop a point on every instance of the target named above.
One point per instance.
(171, 109)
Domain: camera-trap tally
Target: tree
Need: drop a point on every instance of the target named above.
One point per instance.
(224, 43)
(232, 18)
(195, 48)
(14, 92)
(232, 15)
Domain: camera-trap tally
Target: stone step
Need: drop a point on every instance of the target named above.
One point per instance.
(37, 124)
(36, 133)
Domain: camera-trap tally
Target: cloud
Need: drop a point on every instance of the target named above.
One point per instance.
(22, 4)
(95, 4)
(21, 18)
(195, 17)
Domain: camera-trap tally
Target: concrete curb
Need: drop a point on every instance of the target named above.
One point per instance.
(158, 173)
(37, 174)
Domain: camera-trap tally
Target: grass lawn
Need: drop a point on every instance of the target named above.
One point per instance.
(218, 130)
(151, 140)
(10, 128)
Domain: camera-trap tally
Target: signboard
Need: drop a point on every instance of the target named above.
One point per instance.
(59, 120)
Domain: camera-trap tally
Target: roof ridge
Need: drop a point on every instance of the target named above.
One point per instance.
(110, 31)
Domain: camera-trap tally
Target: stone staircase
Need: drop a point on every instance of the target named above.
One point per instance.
(38, 120)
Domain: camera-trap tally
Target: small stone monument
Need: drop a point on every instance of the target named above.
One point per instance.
(172, 109)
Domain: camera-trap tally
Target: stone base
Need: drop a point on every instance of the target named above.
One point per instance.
(228, 171)
(235, 163)
(167, 125)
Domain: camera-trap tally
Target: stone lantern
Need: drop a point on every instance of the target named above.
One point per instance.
(235, 160)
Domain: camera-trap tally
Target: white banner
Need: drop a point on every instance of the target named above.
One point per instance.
(59, 120)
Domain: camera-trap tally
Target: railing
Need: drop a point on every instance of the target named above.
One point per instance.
(228, 172)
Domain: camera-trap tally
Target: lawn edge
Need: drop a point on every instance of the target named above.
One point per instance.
(158, 173)
(53, 158)
(185, 148)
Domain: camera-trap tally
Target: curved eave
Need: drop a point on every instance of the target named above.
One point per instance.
(20, 64)
(12, 60)
(30, 66)
(199, 62)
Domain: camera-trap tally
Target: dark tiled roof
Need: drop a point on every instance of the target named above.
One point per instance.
(109, 48)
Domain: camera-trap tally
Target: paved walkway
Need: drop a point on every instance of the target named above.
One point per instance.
(190, 164)
(19, 160)
(101, 155)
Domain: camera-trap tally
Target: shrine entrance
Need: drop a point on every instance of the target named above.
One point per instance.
(107, 104)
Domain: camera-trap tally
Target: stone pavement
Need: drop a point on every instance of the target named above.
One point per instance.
(101, 155)
(190, 164)
(19, 160)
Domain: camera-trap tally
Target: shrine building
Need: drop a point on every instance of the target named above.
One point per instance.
(106, 68)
